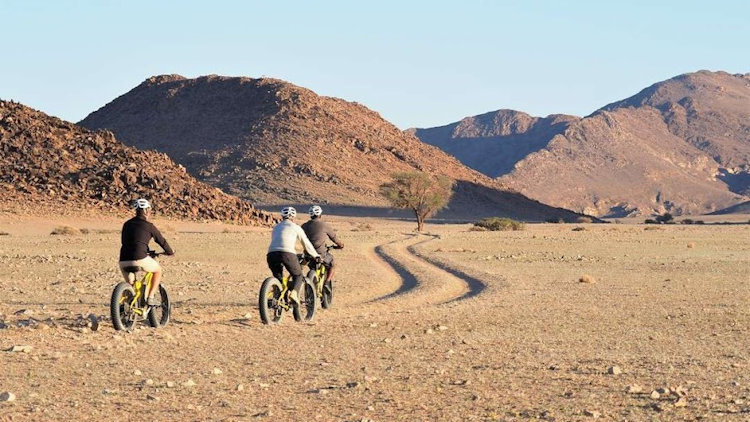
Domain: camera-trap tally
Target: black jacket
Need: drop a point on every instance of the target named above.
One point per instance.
(136, 233)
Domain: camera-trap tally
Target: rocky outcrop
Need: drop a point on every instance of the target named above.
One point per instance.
(53, 164)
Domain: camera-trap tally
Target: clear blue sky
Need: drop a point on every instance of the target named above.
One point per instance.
(417, 63)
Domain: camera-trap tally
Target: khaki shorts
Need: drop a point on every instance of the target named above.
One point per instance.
(148, 264)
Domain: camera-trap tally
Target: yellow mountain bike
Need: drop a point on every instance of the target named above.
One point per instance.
(323, 287)
(128, 303)
(273, 299)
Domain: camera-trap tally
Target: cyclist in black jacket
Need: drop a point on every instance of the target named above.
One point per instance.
(136, 234)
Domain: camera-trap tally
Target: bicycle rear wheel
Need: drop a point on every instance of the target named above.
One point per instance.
(123, 317)
(158, 316)
(306, 309)
(269, 301)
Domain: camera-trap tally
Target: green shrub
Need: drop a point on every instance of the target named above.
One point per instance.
(499, 224)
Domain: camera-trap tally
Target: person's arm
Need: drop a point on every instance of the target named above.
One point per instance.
(334, 237)
(161, 241)
(306, 243)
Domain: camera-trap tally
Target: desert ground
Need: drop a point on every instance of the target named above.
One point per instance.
(450, 325)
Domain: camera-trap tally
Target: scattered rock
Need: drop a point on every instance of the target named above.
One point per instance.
(353, 384)
(655, 395)
(681, 402)
(148, 382)
(429, 331)
(374, 325)
(691, 245)
(152, 397)
(189, 383)
(24, 349)
(137, 372)
(93, 322)
(634, 389)
(7, 396)
(614, 370)
(217, 371)
(248, 315)
(171, 384)
(587, 279)
(240, 387)
(592, 413)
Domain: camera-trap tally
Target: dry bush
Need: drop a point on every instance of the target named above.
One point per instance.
(579, 229)
(583, 220)
(477, 229)
(587, 279)
(691, 245)
(4, 234)
(500, 224)
(558, 220)
(362, 227)
(653, 228)
(65, 231)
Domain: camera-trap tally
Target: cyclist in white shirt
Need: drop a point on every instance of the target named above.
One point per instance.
(282, 252)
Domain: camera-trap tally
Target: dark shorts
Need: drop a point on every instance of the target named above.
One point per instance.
(328, 259)
(278, 260)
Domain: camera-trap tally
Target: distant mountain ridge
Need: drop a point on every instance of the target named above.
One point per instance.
(50, 164)
(681, 145)
(273, 142)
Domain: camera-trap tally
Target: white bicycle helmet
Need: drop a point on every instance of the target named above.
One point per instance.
(141, 204)
(288, 212)
(316, 211)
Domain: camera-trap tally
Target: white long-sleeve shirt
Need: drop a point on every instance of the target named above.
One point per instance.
(284, 239)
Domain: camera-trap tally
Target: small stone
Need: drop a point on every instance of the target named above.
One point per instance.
(353, 384)
(240, 387)
(148, 382)
(587, 279)
(655, 395)
(171, 384)
(248, 315)
(614, 370)
(592, 413)
(404, 337)
(7, 396)
(137, 372)
(442, 328)
(370, 408)
(264, 385)
(634, 389)
(108, 391)
(189, 383)
(152, 397)
(429, 331)
(24, 349)
(681, 402)
(663, 390)
(386, 340)
(217, 371)
(93, 323)
(374, 325)
(370, 379)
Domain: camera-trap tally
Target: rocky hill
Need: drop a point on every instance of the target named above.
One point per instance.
(47, 163)
(273, 142)
(681, 145)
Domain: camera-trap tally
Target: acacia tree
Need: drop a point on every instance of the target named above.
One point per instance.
(418, 192)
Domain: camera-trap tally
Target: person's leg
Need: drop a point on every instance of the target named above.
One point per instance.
(295, 271)
(275, 264)
(331, 267)
(150, 265)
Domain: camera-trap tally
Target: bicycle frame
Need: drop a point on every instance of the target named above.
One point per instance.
(140, 286)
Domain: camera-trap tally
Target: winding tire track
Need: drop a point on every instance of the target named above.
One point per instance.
(475, 286)
(409, 281)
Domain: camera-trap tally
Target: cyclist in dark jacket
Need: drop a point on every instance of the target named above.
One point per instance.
(319, 231)
(136, 234)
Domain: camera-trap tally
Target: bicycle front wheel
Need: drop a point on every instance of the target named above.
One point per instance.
(158, 316)
(269, 300)
(306, 309)
(123, 316)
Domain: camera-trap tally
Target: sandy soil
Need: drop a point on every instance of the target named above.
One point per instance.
(452, 325)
